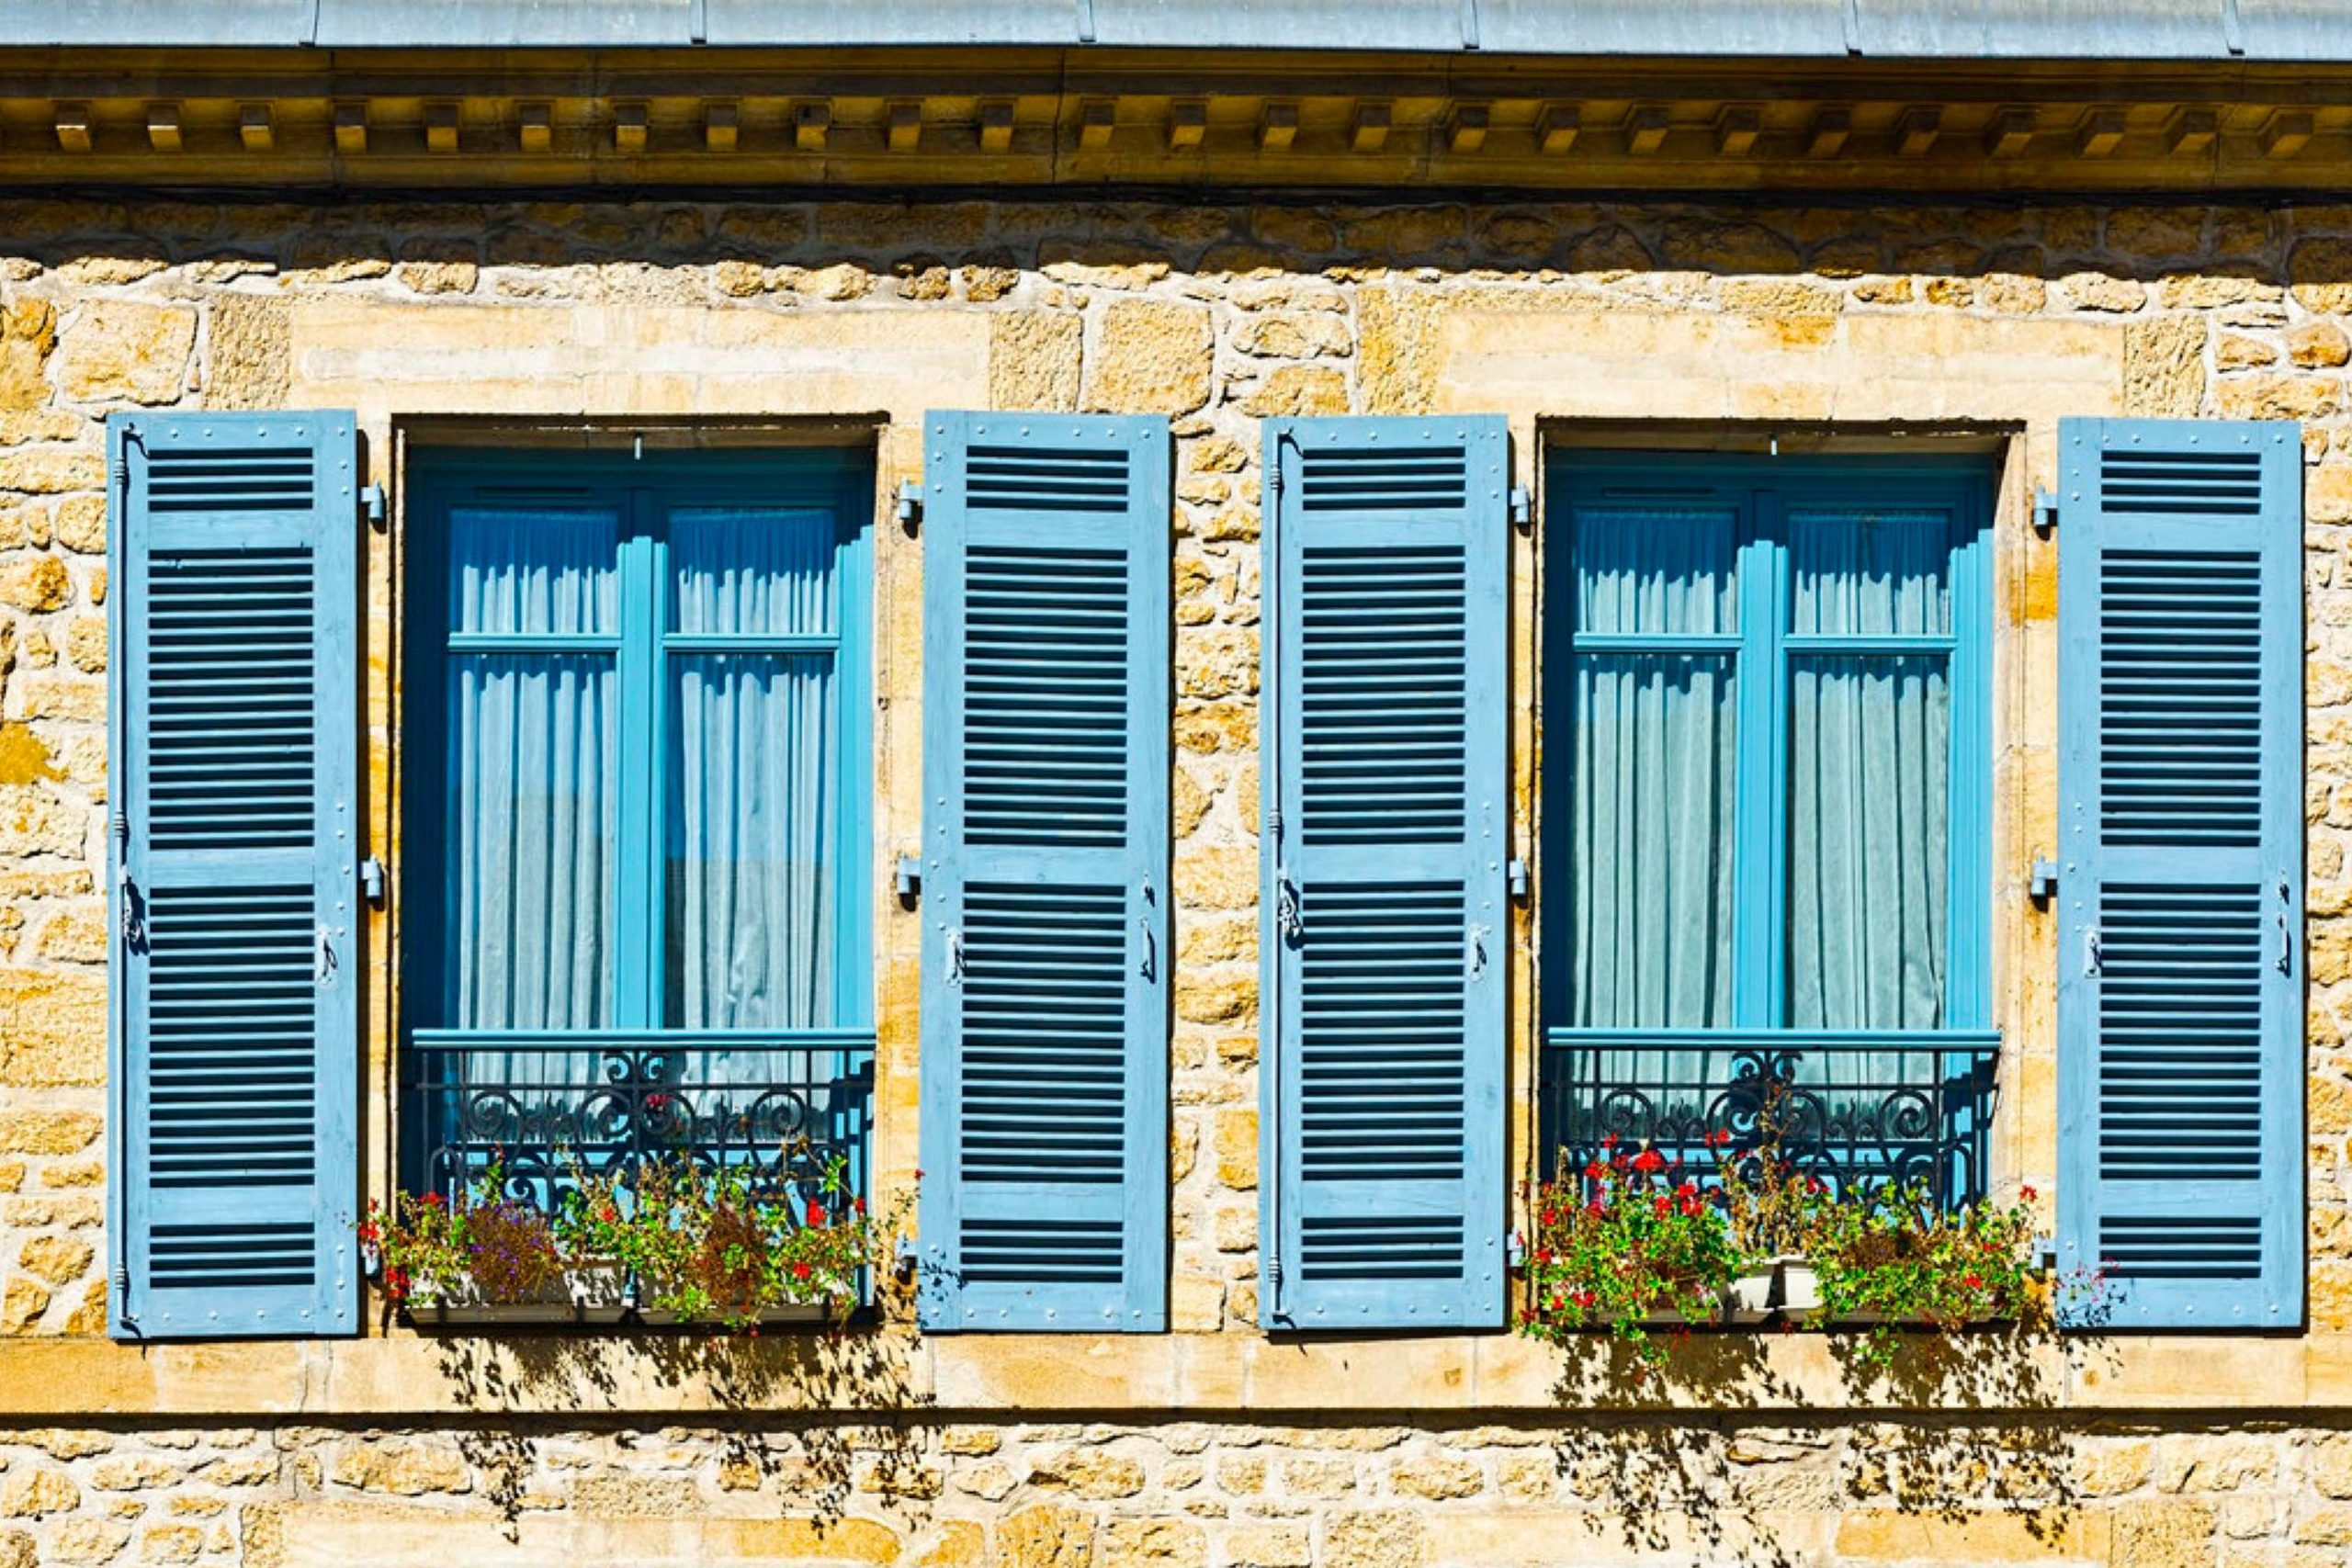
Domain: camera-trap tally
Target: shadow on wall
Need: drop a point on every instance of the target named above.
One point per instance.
(1962, 1429)
(778, 1402)
(1992, 256)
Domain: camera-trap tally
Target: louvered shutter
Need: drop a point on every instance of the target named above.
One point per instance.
(235, 914)
(2181, 1010)
(1387, 924)
(1047, 715)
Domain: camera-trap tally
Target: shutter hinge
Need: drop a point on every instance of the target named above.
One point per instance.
(2045, 512)
(1515, 1251)
(909, 878)
(1523, 508)
(2042, 885)
(908, 510)
(376, 506)
(1516, 875)
(371, 881)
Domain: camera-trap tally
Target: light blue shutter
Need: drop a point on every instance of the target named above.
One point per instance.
(1388, 921)
(235, 912)
(2180, 993)
(1047, 714)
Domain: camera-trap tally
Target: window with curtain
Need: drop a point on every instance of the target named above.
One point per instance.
(1767, 785)
(636, 764)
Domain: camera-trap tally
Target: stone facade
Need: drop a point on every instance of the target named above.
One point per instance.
(1183, 1494)
(1571, 318)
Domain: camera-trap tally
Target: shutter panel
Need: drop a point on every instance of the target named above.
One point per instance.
(235, 907)
(1387, 920)
(1046, 716)
(2181, 1010)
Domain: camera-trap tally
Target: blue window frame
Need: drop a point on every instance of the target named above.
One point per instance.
(637, 784)
(1767, 808)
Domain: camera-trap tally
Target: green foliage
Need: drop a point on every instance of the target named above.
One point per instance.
(712, 1246)
(707, 1246)
(1625, 1245)
(1898, 1259)
(1629, 1243)
(426, 1245)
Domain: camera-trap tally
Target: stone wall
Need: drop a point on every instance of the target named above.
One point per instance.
(1184, 1494)
(1212, 314)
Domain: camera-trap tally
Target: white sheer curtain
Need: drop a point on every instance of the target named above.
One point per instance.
(751, 771)
(1654, 761)
(533, 767)
(1870, 766)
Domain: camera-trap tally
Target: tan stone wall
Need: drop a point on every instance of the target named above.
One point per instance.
(1995, 319)
(1194, 1494)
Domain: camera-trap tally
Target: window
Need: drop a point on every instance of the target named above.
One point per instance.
(1767, 805)
(639, 773)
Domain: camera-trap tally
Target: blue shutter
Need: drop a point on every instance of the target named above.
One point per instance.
(2180, 991)
(1387, 923)
(1046, 846)
(235, 914)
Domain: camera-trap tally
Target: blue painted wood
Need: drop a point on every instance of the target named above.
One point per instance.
(2180, 988)
(234, 903)
(1046, 702)
(1387, 932)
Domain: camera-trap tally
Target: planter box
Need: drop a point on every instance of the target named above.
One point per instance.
(801, 1315)
(1796, 1287)
(563, 1299)
(1751, 1298)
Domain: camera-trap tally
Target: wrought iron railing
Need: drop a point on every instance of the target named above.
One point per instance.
(785, 1107)
(1856, 1109)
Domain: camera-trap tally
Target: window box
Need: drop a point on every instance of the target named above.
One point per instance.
(575, 1297)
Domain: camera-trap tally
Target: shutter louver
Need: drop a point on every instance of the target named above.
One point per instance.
(235, 918)
(2180, 997)
(1387, 926)
(1045, 932)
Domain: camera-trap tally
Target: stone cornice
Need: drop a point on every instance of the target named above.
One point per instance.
(318, 119)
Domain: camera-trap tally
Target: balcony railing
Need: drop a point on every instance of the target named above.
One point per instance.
(1856, 1109)
(545, 1107)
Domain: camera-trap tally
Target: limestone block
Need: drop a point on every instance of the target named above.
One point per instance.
(51, 471)
(401, 1470)
(1150, 357)
(58, 1259)
(1152, 1544)
(1298, 390)
(1374, 1538)
(53, 1027)
(1237, 1148)
(1033, 360)
(1088, 1472)
(48, 1132)
(1045, 1537)
(28, 334)
(32, 1493)
(126, 351)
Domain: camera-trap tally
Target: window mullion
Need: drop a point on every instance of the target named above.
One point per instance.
(636, 987)
(1758, 893)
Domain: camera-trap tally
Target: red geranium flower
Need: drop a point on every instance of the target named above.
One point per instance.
(1649, 1159)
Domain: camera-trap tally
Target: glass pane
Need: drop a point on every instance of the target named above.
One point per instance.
(1655, 569)
(1864, 573)
(531, 841)
(752, 815)
(1869, 763)
(534, 572)
(752, 572)
(1651, 841)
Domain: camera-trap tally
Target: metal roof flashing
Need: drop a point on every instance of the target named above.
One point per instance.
(2172, 30)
